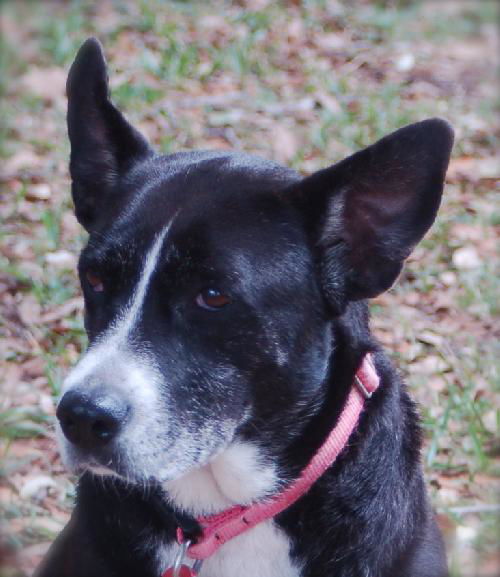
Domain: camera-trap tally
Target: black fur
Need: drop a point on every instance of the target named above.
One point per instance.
(298, 256)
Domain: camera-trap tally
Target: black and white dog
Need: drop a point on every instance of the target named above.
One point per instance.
(225, 307)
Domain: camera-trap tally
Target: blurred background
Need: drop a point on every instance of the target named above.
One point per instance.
(305, 83)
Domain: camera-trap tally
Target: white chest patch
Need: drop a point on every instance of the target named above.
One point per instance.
(262, 551)
(236, 476)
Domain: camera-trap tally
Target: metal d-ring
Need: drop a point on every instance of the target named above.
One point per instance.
(361, 388)
(180, 557)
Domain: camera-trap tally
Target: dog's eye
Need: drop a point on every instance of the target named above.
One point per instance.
(94, 281)
(212, 299)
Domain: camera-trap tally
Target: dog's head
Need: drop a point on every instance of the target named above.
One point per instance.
(211, 280)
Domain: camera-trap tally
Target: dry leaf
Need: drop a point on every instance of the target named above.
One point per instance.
(38, 192)
(31, 270)
(37, 487)
(29, 557)
(431, 338)
(29, 310)
(11, 375)
(63, 311)
(467, 232)
(328, 102)
(429, 365)
(330, 42)
(448, 278)
(46, 83)
(474, 169)
(466, 257)
(405, 62)
(46, 403)
(24, 159)
(70, 226)
(34, 367)
(61, 259)
(284, 143)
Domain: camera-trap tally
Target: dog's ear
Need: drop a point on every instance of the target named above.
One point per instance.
(367, 212)
(103, 144)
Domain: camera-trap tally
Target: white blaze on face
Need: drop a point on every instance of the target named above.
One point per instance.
(116, 337)
(113, 363)
(132, 312)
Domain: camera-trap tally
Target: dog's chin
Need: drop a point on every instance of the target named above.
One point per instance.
(79, 467)
(131, 477)
(98, 471)
(107, 473)
(79, 464)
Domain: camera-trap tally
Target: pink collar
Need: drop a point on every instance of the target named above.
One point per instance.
(220, 528)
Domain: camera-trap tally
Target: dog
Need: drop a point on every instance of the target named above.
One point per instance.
(226, 309)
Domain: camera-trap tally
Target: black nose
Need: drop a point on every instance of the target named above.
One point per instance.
(90, 422)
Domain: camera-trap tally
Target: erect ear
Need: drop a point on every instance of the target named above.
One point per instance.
(367, 212)
(103, 144)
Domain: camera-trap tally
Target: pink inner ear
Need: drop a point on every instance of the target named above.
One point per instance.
(372, 208)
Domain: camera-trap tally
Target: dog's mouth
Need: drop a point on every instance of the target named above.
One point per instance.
(106, 467)
(97, 469)
(125, 467)
(111, 470)
(115, 465)
(104, 463)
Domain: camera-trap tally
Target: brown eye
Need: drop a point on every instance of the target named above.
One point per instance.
(94, 281)
(212, 299)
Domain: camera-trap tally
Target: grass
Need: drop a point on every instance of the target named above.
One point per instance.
(332, 77)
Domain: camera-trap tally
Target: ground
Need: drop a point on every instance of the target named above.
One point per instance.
(305, 83)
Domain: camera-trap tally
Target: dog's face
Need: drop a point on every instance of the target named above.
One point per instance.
(211, 281)
(197, 291)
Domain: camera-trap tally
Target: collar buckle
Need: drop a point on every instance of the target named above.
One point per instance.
(178, 569)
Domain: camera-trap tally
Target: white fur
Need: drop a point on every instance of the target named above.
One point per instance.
(239, 475)
(263, 551)
(236, 476)
(115, 338)
(111, 361)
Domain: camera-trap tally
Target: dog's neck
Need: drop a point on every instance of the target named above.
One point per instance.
(247, 471)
